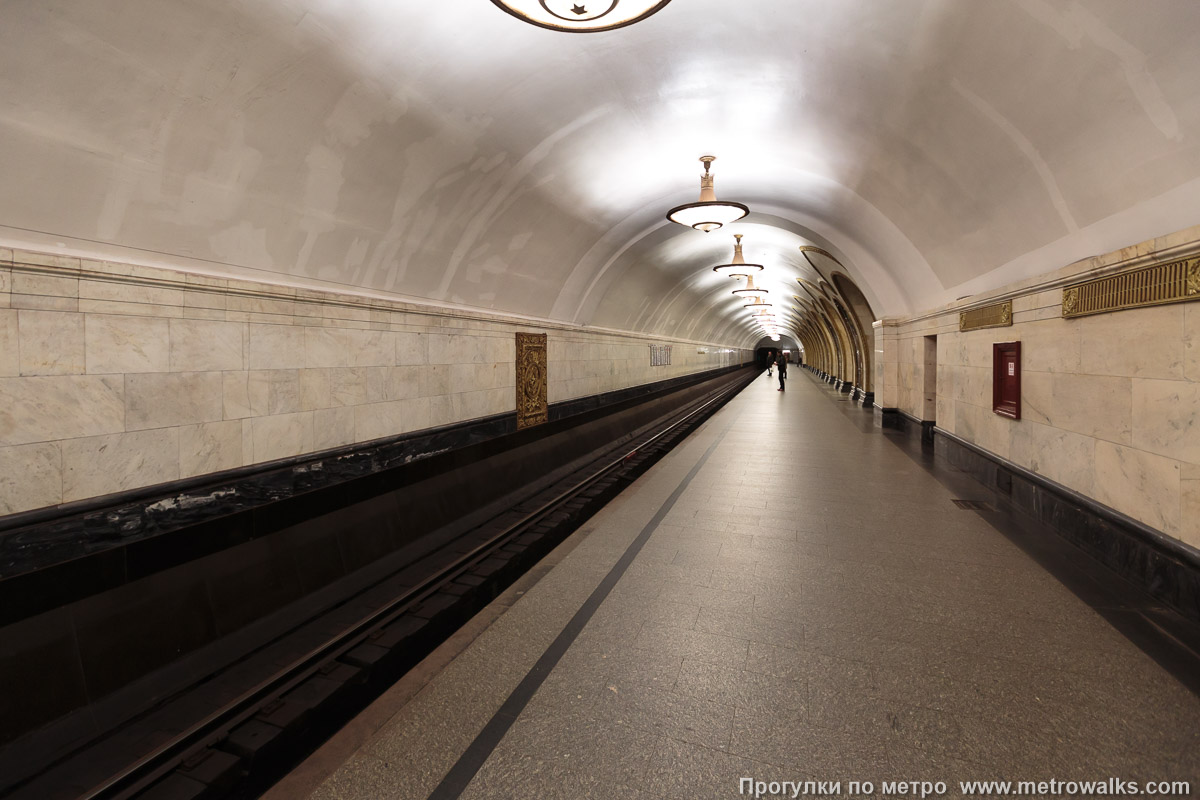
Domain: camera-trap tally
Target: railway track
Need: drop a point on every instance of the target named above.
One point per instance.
(335, 664)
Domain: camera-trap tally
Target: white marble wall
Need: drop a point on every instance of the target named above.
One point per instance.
(114, 377)
(1110, 403)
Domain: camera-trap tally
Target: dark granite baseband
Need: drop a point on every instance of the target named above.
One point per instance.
(1167, 569)
(899, 420)
(87, 545)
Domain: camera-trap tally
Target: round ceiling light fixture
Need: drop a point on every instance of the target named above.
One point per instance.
(581, 16)
(709, 213)
(738, 267)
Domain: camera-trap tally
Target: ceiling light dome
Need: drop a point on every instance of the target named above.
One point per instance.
(709, 213)
(738, 267)
(581, 16)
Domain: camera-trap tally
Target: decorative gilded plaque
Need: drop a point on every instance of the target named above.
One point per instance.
(993, 316)
(1176, 282)
(531, 379)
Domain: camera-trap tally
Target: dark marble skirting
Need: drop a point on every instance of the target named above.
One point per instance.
(1165, 568)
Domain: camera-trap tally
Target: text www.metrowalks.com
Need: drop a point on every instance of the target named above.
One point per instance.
(752, 787)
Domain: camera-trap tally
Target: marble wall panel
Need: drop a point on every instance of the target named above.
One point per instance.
(274, 391)
(281, 304)
(945, 413)
(973, 385)
(282, 436)
(131, 293)
(126, 344)
(105, 464)
(966, 420)
(1189, 506)
(417, 413)
(887, 394)
(1141, 343)
(378, 420)
(335, 347)
(51, 343)
(39, 302)
(10, 353)
(45, 285)
(209, 292)
(411, 348)
(316, 390)
(1020, 444)
(1092, 405)
(348, 386)
(1143, 485)
(1166, 418)
(377, 383)
(333, 427)
(1052, 345)
(1062, 456)
(457, 349)
(435, 380)
(209, 447)
(951, 350)
(30, 477)
(276, 347)
(486, 402)
(235, 395)
(1191, 342)
(403, 383)
(993, 432)
(39, 409)
(205, 346)
(977, 345)
(163, 399)
(441, 410)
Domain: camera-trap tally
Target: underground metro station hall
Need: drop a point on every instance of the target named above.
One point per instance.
(648, 399)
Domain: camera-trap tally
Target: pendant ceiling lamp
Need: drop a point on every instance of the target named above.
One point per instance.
(738, 267)
(751, 291)
(584, 16)
(709, 213)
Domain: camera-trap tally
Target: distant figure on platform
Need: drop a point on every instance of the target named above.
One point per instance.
(770, 363)
(781, 362)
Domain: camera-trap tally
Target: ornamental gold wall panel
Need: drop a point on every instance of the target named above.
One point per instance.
(1175, 282)
(531, 379)
(998, 315)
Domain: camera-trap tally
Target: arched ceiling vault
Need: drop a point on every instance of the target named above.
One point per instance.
(448, 153)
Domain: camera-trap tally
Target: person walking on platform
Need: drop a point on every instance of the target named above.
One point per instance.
(781, 362)
(770, 362)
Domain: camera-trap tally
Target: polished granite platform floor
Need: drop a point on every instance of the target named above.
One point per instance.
(807, 604)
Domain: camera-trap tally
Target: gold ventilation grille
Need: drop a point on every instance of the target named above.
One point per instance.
(1175, 282)
(993, 316)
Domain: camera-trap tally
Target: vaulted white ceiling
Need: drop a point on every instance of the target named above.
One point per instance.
(447, 152)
